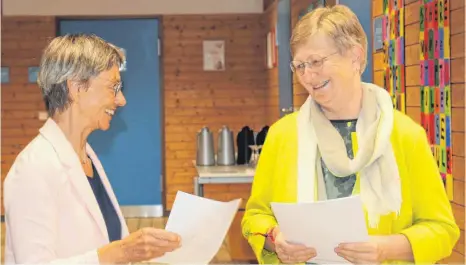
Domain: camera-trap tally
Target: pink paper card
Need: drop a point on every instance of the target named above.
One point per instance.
(431, 73)
(446, 72)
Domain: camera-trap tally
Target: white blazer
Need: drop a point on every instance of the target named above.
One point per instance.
(51, 213)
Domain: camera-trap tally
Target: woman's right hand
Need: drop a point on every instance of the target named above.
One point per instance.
(289, 252)
(143, 245)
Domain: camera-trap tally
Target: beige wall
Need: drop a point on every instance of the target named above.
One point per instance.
(128, 7)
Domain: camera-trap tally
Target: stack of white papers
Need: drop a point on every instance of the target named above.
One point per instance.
(202, 224)
(323, 225)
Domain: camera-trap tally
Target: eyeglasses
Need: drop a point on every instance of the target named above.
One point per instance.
(117, 88)
(315, 63)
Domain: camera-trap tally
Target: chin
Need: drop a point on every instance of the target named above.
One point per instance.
(104, 126)
(323, 99)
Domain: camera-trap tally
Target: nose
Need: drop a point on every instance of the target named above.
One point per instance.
(120, 99)
(309, 75)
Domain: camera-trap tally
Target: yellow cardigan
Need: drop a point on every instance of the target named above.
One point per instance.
(426, 217)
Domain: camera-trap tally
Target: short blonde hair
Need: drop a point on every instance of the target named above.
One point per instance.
(339, 23)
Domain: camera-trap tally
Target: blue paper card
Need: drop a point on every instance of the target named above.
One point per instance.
(448, 129)
(5, 78)
(33, 71)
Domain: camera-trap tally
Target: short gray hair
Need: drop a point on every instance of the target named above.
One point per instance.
(74, 57)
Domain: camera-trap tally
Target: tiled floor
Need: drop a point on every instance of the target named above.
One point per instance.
(222, 257)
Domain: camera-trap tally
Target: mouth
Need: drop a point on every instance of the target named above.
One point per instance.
(110, 112)
(321, 85)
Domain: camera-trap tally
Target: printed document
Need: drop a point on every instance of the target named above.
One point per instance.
(323, 225)
(202, 224)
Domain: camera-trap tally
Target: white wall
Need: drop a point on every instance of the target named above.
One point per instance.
(128, 7)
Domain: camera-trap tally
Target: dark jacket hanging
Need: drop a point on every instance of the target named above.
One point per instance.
(244, 140)
(260, 139)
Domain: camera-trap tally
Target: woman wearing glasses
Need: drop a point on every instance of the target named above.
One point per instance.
(59, 204)
(347, 139)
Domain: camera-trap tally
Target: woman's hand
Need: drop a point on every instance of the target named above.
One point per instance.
(361, 253)
(143, 245)
(291, 253)
(379, 249)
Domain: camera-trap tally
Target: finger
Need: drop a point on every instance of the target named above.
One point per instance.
(290, 247)
(284, 258)
(304, 258)
(162, 234)
(357, 247)
(280, 246)
(141, 253)
(150, 243)
(165, 246)
(303, 254)
(351, 260)
(351, 257)
(357, 257)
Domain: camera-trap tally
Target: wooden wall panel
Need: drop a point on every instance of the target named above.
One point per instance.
(272, 91)
(23, 39)
(194, 98)
(458, 96)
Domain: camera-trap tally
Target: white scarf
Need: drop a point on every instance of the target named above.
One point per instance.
(380, 187)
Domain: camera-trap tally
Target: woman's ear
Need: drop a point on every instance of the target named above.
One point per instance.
(357, 54)
(73, 90)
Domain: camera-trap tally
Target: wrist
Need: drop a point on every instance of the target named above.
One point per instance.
(271, 234)
(396, 247)
(270, 240)
(112, 253)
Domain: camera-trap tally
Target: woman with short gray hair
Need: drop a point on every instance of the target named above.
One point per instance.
(59, 204)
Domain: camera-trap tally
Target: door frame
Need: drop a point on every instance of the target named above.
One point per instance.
(159, 18)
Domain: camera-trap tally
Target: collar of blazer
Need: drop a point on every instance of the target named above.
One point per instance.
(68, 157)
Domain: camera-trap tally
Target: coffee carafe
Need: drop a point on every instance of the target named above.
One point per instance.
(205, 148)
(226, 147)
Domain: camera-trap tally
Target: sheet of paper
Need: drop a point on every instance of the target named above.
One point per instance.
(202, 224)
(323, 225)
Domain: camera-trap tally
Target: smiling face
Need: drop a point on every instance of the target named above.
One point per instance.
(328, 48)
(323, 71)
(98, 103)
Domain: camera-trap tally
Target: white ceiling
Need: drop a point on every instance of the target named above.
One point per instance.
(128, 7)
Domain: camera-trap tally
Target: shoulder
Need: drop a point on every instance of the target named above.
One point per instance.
(408, 135)
(284, 128)
(406, 129)
(37, 164)
(285, 125)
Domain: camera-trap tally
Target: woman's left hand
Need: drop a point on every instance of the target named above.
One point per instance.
(362, 253)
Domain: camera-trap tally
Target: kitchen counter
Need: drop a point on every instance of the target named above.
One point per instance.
(221, 175)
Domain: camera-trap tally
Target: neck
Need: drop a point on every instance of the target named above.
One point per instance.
(75, 130)
(348, 107)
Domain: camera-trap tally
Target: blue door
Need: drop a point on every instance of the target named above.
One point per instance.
(130, 150)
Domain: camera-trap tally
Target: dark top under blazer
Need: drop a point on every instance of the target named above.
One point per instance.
(112, 221)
